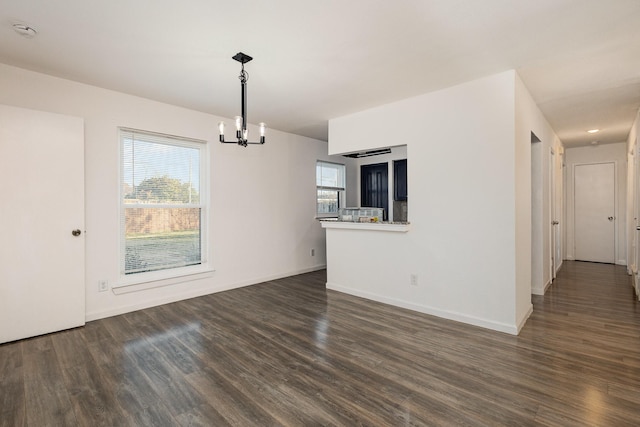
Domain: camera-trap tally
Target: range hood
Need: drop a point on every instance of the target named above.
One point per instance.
(368, 153)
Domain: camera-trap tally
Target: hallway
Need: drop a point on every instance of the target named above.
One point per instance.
(585, 332)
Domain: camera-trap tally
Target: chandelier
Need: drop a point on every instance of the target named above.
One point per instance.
(242, 134)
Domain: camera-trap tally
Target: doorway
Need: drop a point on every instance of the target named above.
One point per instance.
(594, 212)
(537, 217)
(554, 242)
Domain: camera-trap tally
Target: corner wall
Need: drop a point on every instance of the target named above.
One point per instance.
(262, 218)
(535, 266)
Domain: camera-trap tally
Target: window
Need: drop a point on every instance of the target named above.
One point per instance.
(162, 202)
(330, 184)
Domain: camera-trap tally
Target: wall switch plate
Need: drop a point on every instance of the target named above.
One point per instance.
(103, 285)
(414, 280)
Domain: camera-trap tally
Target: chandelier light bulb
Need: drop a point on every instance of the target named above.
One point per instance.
(263, 130)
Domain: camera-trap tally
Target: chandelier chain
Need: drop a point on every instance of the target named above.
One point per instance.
(244, 76)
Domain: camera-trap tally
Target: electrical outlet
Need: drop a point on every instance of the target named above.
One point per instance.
(313, 252)
(414, 280)
(103, 285)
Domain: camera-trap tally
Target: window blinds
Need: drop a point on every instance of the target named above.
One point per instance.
(330, 176)
(161, 202)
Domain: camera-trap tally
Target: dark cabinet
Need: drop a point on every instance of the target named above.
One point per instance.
(400, 180)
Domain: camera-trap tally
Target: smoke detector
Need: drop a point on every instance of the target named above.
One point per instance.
(24, 30)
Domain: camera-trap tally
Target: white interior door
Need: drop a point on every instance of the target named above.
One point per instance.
(552, 214)
(42, 202)
(594, 210)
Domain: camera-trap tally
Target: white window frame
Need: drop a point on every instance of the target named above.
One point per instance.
(164, 276)
(339, 188)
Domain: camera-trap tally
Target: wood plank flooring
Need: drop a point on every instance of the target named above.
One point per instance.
(291, 353)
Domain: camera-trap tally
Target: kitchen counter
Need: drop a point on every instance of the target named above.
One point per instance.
(398, 227)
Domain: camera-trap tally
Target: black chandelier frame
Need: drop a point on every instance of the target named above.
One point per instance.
(241, 121)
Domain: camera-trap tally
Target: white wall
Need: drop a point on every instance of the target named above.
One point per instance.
(616, 153)
(262, 221)
(462, 211)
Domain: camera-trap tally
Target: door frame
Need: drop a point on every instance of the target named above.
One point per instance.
(634, 258)
(553, 237)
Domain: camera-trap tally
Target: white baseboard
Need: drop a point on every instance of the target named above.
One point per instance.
(525, 318)
(618, 262)
(96, 315)
(101, 314)
(541, 291)
(458, 317)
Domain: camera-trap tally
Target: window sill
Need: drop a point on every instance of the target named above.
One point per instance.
(141, 282)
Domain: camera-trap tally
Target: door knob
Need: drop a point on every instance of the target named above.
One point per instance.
(76, 232)
(555, 223)
(610, 218)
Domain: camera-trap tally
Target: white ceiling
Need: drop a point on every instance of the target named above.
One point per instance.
(315, 60)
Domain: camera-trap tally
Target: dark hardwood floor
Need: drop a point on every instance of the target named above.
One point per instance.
(289, 352)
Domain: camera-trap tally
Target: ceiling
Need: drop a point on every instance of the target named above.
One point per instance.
(316, 60)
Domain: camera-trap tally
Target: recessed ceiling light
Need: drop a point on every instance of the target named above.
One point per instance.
(593, 130)
(24, 30)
